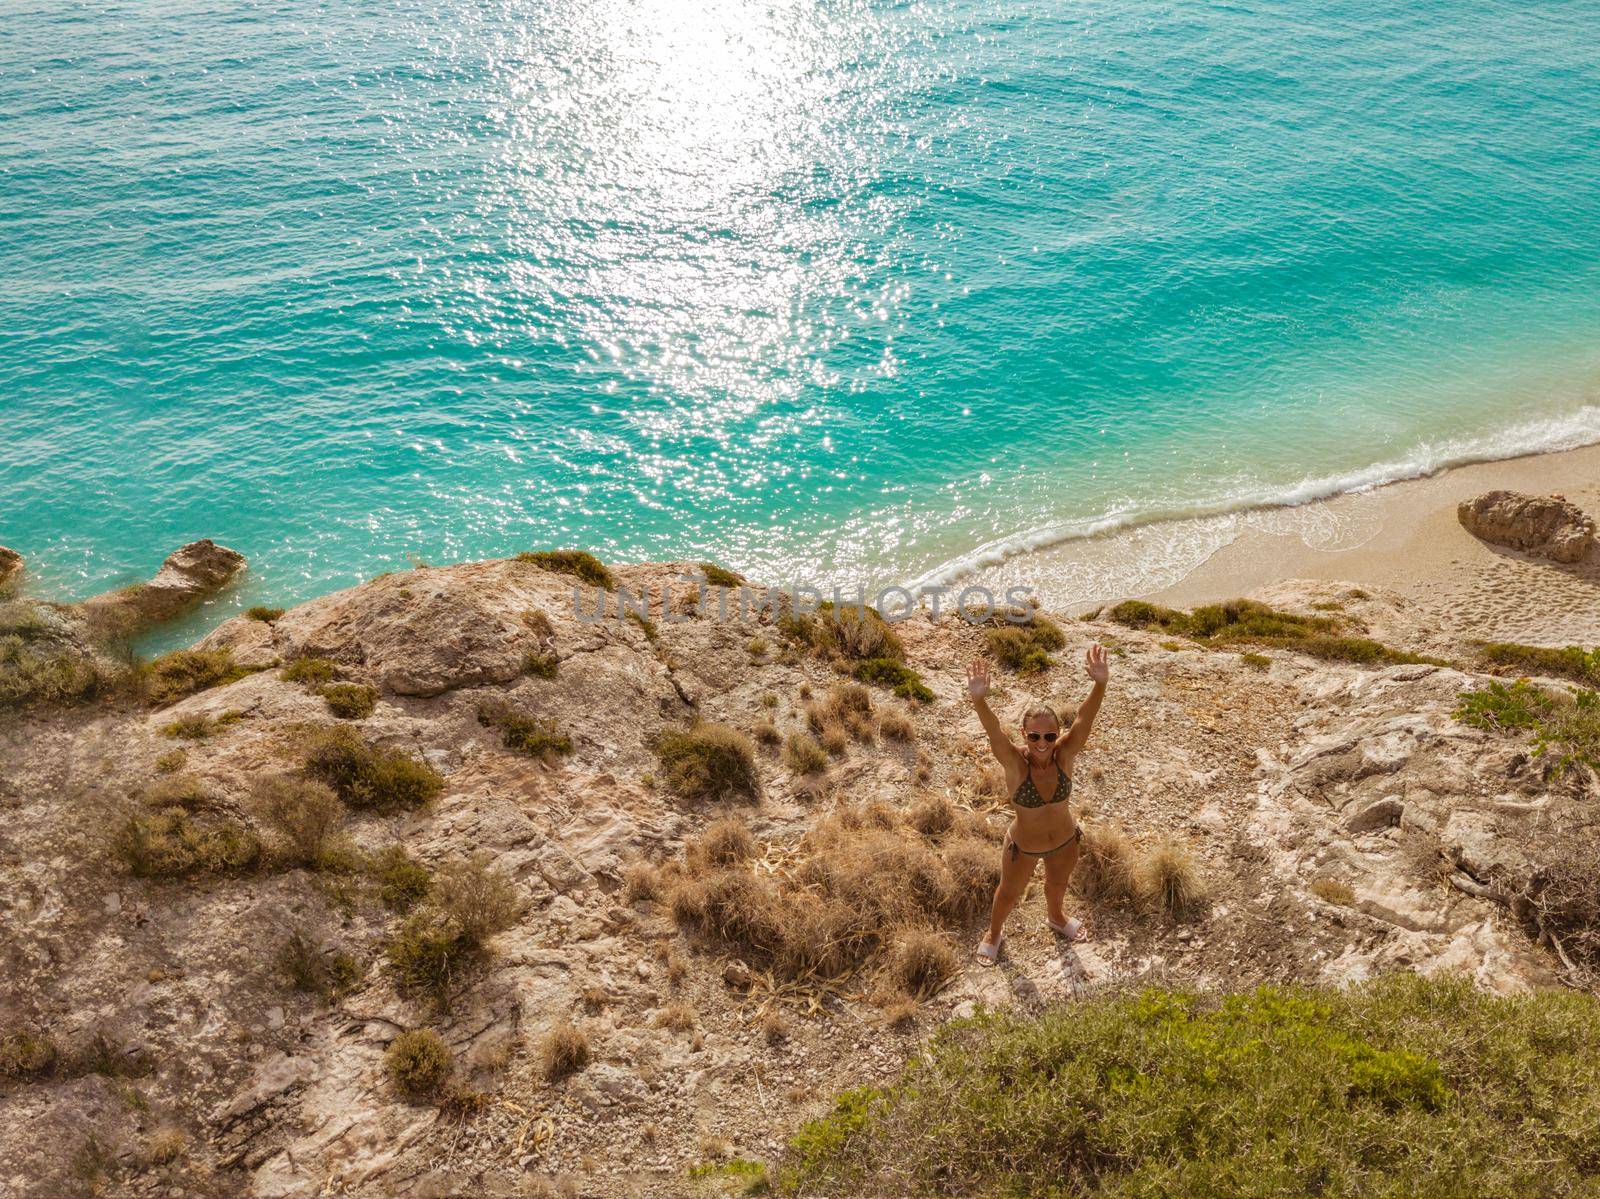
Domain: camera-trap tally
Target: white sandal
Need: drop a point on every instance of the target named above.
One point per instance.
(991, 953)
(1071, 931)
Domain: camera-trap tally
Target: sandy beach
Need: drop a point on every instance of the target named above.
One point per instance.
(1404, 537)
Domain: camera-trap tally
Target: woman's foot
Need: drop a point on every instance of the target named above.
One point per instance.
(989, 951)
(1069, 929)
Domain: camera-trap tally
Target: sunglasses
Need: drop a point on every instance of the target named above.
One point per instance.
(1046, 736)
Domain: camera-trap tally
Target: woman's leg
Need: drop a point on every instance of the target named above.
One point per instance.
(1058, 869)
(1015, 871)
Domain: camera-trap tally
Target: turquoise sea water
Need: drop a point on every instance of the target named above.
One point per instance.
(827, 291)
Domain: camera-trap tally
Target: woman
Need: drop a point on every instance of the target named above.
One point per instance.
(1039, 779)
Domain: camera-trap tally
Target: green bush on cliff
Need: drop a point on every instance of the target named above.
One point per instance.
(1026, 648)
(720, 576)
(1569, 662)
(351, 701)
(1407, 1086)
(895, 675)
(446, 938)
(30, 676)
(536, 736)
(580, 563)
(368, 776)
(172, 843)
(706, 760)
(1565, 725)
(1244, 620)
(170, 677)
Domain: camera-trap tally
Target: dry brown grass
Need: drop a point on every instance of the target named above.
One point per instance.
(178, 791)
(677, 1017)
(306, 815)
(847, 711)
(724, 843)
(900, 1012)
(863, 884)
(803, 755)
(564, 1051)
(708, 761)
(1331, 890)
(1168, 879)
(923, 962)
(933, 816)
(1105, 871)
(766, 732)
(776, 1027)
(641, 880)
(895, 724)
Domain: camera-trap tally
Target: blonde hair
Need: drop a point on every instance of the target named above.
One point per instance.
(1063, 714)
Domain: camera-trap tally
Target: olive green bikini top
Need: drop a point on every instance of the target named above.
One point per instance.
(1028, 796)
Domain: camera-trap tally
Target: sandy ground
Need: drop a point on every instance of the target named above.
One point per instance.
(1403, 536)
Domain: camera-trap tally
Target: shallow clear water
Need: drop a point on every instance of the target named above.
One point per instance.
(829, 292)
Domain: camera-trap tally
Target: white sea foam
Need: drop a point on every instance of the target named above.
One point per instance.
(1206, 533)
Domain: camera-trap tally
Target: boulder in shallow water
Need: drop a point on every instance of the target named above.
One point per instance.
(10, 567)
(1544, 525)
(189, 575)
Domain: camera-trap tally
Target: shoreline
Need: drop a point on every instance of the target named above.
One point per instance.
(1401, 536)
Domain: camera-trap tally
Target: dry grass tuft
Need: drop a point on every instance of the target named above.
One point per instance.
(708, 761)
(172, 844)
(895, 724)
(803, 755)
(1331, 890)
(418, 1063)
(678, 1017)
(304, 814)
(776, 1027)
(564, 1051)
(641, 880)
(923, 962)
(724, 843)
(933, 816)
(1105, 870)
(1168, 879)
(177, 791)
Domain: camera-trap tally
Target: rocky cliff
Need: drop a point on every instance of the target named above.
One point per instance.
(218, 919)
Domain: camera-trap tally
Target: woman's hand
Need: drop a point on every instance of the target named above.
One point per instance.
(1095, 664)
(978, 678)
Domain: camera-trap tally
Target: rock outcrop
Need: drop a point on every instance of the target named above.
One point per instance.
(10, 567)
(189, 575)
(1543, 525)
(1345, 821)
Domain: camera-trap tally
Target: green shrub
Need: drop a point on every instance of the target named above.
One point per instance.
(305, 815)
(172, 761)
(580, 563)
(186, 671)
(171, 843)
(720, 576)
(1014, 646)
(104, 1054)
(370, 777)
(446, 938)
(418, 1063)
(1407, 1086)
(895, 675)
(25, 1056)
(312, 672)
(403, 882)
(536, 736)
(351, 701)
(32, 677)
(316, 969)
(1247, 620)
(200, 726)
(802, 754)
(1569, 662)
(540, 664)
(265, 615)
(846, 632)
(708, 761)
(1565, 725)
